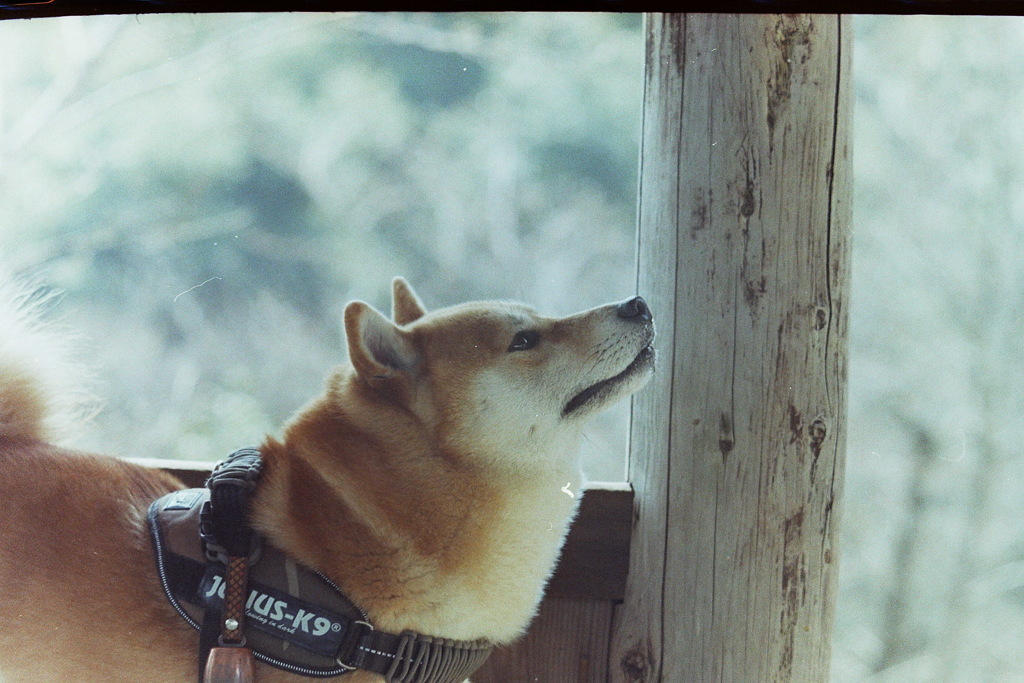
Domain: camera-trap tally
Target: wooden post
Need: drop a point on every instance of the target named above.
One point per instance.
(738, 447)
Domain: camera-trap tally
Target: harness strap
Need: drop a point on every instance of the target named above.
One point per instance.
(236, 590)
(232, 661)
(230, 541)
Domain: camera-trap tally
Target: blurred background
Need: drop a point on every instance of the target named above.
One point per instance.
(210, 190)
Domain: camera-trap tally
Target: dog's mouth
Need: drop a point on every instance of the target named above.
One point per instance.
(644, 362)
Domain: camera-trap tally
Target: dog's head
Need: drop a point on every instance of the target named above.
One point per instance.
(496, 379)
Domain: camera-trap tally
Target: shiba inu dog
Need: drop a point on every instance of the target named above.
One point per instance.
(426, 482)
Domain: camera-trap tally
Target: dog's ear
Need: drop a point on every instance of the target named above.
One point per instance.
(378, 349)
(406, 307)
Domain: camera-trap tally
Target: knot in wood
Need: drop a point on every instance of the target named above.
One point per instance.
(634, 665)
(817, 432)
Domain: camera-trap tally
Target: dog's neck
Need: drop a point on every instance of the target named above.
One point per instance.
(420, 539)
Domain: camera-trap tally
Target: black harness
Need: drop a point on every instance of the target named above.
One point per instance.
(295, 618)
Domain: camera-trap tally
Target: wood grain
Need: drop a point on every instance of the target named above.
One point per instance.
(567, 643)
(738, 448)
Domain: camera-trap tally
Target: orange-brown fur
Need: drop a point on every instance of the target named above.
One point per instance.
(78, 583)
(411, 482)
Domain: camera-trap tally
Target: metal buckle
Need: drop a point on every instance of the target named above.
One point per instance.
(356, 642)
(214, 551)
(224, 643)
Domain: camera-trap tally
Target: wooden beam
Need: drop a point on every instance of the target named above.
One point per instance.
(596, 555)
(739, 443)
(595, 559)
(566, 643)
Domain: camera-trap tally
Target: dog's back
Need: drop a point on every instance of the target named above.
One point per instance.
(76, 571)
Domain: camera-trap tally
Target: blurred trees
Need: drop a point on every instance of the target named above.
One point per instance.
(933, 577)
(293, 162)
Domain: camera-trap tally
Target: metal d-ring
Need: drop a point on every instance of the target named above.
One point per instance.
(349, 667)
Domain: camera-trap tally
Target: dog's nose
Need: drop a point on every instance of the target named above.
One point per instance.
(634, 308)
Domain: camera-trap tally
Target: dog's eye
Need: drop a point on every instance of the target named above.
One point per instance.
(524, 341)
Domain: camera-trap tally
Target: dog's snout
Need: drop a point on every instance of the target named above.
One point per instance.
(634, 308)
